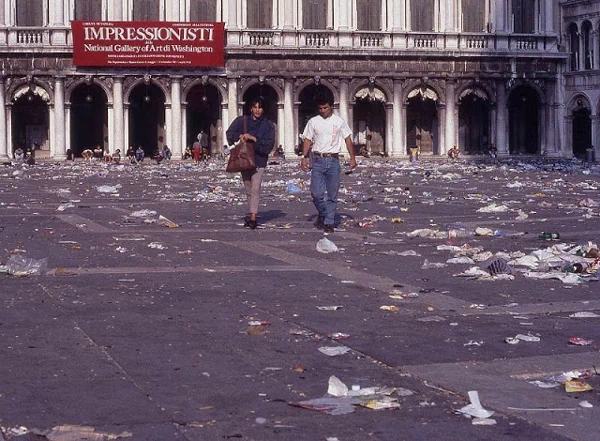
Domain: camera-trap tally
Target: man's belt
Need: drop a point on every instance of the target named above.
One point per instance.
(327, 155)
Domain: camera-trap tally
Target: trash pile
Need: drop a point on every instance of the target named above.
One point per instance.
(341, 400)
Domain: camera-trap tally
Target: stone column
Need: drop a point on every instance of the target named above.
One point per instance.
(596, 135)
(174, 14)
(119, 141)
(450, 139)
(500, 17)
(398, 146)
(289, 141)
(501, 120)
(168, 133)
(184, 136)
(549, 128)
(567, 148)
(126, 140)
(112, 147)
(115, 12)
(2, 13)
(280, 135)
(56, 12)
(548, 16)
(288, 15)
(59, 119)
(389, 127)
(3, 132)
(232, 99)
(225, 122)
(343, 23)
(176, 148)
(344, 83)
(397, 11)
(596, 43)
(232, 16)
(52, 130)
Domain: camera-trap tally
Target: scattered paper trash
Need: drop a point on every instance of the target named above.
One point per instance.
(333, 351)
(20, 266)
(326, 246)
(475, 409)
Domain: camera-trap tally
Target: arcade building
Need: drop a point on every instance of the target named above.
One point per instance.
(521, 74)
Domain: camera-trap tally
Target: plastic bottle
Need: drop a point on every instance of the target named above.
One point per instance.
(549, 236)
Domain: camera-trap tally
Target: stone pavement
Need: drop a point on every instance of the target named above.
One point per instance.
(139, 331)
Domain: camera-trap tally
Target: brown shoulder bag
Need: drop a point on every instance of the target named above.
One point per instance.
(242, 156)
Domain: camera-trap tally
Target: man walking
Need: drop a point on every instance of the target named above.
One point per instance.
(325, 134)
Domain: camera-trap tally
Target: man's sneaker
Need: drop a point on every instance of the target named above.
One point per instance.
(252, 224)
(328, 228)
(247, 222)
(320, 222)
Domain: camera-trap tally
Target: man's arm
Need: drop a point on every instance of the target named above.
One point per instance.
(306, 145)
(350, 147)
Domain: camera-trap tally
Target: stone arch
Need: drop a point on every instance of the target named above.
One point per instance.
(423, 122)
(310, 81)
(541, 95)
(574, 102)
(38, 87)
(83, 80)
(266, 82)
(388, 94)
(211, 82)
(485, 88)
(419, 84)
(137, 82)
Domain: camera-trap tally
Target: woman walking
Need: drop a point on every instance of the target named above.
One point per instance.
(260, 132)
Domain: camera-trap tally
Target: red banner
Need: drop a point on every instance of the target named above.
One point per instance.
(148, 43)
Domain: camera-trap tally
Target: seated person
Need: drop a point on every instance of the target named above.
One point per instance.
(453, 153)
(139, 154)
(69, 155)
(116, 157)
(279, 152)
(188, 153)
(98, 152)
(166, 152)
(19, 154)
(493, 151)
(107, 156)
(87, 154)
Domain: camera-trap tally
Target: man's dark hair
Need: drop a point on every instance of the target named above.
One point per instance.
(258, 100)
(321, 100)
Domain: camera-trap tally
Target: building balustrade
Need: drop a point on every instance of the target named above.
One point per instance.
(19, 39)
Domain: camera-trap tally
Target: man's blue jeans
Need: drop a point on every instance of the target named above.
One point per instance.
(325, 177)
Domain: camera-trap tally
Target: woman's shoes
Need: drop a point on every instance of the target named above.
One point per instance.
(252, 224)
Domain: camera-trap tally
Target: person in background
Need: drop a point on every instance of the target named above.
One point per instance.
(261, 133)
(19, 154)
(324, 135)
(116, 157)
(166, 152)
(454, 153)
(139, 154)
(493, 151)
(197, 149)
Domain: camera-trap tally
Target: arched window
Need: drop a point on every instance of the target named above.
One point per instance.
(368, 15)
(586, 40)
(30, 12)
(260, 14)
(146, 10)
(314, 14)
(88, 10)
(203, 10)
(574, 46)
(422, 15)
(473, 15)
(523, 13)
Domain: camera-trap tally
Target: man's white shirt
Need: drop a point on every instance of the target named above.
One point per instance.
(327, 135)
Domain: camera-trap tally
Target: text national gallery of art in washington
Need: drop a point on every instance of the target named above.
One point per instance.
(523, 75)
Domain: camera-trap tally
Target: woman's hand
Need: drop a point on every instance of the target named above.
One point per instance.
(247, 137)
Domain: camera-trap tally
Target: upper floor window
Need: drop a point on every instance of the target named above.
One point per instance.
(586, 40)
(260, 14)
(422, 15)
(523, 13)
(203, 10)
(573, 46)
(368, 15)
(473, 15)
(30, 12)
(88, 10)
(314, 14)
(146, 10)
